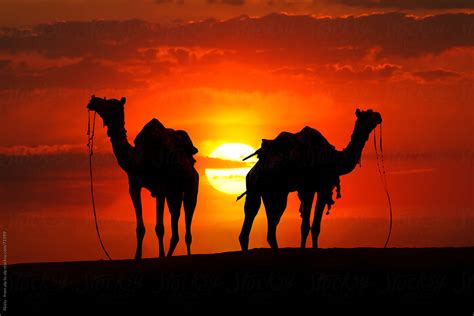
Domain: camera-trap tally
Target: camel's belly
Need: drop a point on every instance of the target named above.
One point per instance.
(295, 181)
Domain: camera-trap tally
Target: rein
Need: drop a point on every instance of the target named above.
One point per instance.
(383, 178)
(90, 146)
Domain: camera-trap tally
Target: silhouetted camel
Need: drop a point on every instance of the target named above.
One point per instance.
(161, 162)
(305, 162)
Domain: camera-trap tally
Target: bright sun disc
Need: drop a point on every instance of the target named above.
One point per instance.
(230, 180)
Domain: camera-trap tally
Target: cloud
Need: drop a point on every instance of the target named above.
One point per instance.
(180, 2)
(133, 54)
(369, 72)
(435, 75)
(21, 150)
(39, 163)
(84, 74)
(307, 38)
(55, 181)
(115, 40)
(230, 2)
(294, 37)
(344, 72)
(411, 171)
(404, 4)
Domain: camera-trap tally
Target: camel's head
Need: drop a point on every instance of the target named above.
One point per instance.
(111, 111)
(368, 120)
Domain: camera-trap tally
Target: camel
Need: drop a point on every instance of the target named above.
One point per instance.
(162, 162)
(304, 162)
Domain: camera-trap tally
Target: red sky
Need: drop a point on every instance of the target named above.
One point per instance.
(235, 71)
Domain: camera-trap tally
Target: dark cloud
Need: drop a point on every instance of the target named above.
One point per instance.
(42, 164)
(109, 50)
(299, 37)
(368, 73)
(115, 40)
(169, 1)
(408, 4)
(32, 182)
(436, 75)
(230, 2)
(345, 72)
(84, 74)
(309, 38)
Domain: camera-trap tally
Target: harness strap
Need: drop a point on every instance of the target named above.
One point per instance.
(90, 145)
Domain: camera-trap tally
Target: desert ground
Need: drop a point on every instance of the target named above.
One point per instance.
(363, 277)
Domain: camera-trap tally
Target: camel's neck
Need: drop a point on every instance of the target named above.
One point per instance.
(350, 155)
(123, 150)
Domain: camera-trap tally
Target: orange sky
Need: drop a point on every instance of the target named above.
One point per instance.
(235, 71)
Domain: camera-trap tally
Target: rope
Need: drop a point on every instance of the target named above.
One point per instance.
(90, 145)
(383, 179)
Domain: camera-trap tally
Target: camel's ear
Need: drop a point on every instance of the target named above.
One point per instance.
(357, 113)
(93, 96)
(123, 100)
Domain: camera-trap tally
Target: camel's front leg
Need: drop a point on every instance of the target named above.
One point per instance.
(275, 205)
(135, 194)
(306, 201)
(252, 205)
(318, 214)
(174, 199)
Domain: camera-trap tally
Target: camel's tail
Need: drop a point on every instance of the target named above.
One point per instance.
(241, 196)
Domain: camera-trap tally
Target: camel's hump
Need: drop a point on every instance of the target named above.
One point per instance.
(154, 134)
(314, 138)
(307, 136)
(153, 131)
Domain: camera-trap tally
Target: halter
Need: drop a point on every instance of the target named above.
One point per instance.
(383, 178)
(90, 146)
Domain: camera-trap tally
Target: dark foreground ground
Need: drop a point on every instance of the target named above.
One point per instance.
(367, 277)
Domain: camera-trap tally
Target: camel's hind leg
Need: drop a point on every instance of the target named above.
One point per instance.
(160, 228)
(275, 205)
(306, 200)
(252, 205)
(174, 199)
(318, 214)
(190, 200)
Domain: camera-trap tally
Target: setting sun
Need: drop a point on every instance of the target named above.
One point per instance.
(225, 75)
(230, 180)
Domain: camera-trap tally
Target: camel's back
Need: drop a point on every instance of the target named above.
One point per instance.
(308, 140)
(312, 138)
(156, 137)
